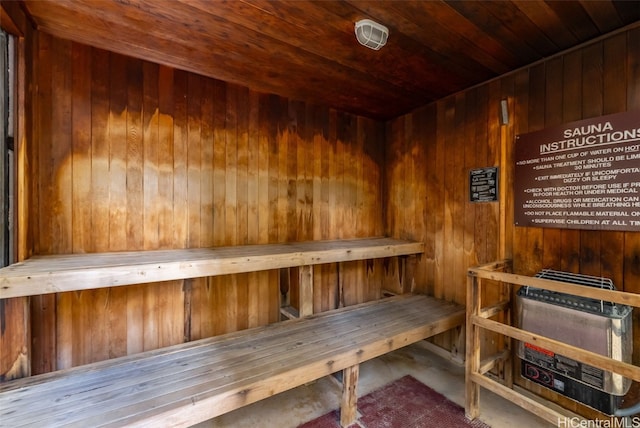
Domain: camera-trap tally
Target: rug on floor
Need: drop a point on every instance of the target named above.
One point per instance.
(404, 403)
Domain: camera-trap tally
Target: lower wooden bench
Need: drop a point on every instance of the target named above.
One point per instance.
(189, 383)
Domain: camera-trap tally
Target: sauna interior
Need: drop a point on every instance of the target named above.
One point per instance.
(152, 127)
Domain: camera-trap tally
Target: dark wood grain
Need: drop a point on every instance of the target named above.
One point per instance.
(306, 50)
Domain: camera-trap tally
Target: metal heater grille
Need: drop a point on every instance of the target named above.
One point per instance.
(598, 326)
(569, 300)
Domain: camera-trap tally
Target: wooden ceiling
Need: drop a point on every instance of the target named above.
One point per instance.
(307, 50)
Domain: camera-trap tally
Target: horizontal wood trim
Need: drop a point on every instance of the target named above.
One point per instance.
(59, 273)
(489, 363)
(490, 311)
(621, 297)
(189, 383)
(573, 352)
(289, 312)
(521, 400)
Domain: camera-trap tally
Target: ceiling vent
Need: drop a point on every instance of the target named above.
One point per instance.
(371, 34)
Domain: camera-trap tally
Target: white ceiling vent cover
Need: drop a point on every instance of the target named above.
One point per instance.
(371, 34)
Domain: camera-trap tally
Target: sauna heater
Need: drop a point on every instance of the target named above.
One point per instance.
(595, 325)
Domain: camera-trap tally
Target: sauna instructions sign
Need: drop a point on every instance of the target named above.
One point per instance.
(580, 175)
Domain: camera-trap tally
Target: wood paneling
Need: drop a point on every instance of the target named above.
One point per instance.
(125, 154)
(307, 50)
(131, 155)
(462, 132)
(15, 328)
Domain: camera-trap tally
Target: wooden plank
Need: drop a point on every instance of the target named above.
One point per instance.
(262, 201)
(135, 318)
(198, 352)
(270, 118)
(569, 351)
(532, 258)
(165, 158)
(290, 312)
(207, 368)
(472, 126)
(482, 211)
(81, 141)
(450, 176)
(194, 120)
(323, 122)
(117, 161)
(306, 290)
(206, 162)
(307, 152)
(61, 171)
(242, 172)
(26, 177)
(289, 166)
(152, 204)
(472, 347)
(281, 139)
(457, 197)
(48, 274)
(417, 151)
(259, 372)
(44, 107)
(14, 359)
(242, 355)
(333, 178)
(231, 165)
(427, 118)
(194, 127)
(443, 113)
(134, 156)
(348, 408)
(527, 403)
(241, 106)
(201, 304)
(559, 286)
(42, 308)
(521, 124)
(180, 160)
(100, 87)
(217, 293)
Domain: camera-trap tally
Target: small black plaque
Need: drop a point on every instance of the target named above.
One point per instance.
(483, 184)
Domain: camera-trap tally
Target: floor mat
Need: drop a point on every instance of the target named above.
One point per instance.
(404, 403)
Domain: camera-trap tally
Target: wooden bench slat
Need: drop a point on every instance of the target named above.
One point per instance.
(234, 372)
(185, 350)
(215, 350)
(180, 350)
(221, 358)
(73, 272)
(363, 332)
(280, 381)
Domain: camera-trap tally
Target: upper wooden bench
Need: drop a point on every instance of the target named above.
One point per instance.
(189, 383)
(71, 272)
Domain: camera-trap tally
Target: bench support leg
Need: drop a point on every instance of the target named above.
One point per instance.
(348, 406)
(306, 290)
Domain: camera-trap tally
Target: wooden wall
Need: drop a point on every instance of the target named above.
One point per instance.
(123, 154)
(431, 151)
(131, 155)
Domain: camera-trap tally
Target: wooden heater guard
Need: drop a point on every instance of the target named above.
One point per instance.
(478, 319)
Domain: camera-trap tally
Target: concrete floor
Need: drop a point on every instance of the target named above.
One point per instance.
(305, 403)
